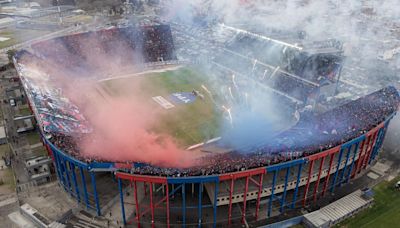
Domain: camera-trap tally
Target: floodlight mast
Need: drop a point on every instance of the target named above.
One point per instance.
(59, 12)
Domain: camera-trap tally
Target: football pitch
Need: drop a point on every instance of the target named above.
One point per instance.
(191, 119)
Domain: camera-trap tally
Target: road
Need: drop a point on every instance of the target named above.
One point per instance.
(8, 205)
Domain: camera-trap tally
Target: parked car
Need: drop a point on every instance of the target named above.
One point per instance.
(397, 185)
(12, 102)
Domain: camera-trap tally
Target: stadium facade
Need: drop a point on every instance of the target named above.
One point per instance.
(209, 200)
(315, 175)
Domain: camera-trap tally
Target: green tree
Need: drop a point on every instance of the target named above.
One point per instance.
(10, 55)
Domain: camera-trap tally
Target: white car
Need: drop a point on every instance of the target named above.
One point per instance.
(397, 185)
(12, 102)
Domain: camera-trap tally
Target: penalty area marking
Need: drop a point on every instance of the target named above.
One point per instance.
(163, 102)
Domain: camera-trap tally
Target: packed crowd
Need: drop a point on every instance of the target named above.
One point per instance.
(81, 54)
(56, 113)
(272, 77)
(158, 43)
(292, 60)
(312, 134)
(130, 45)
(288, 70)
(309, 136)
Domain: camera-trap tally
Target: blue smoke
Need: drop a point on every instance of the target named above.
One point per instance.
(255, 123)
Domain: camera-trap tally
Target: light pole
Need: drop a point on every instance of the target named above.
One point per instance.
(59, 11)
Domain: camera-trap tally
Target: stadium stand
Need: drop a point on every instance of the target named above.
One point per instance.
(60, 119)
(296, 72)
(142, 45)
(338, 211)
(349, 136)
(327, 130)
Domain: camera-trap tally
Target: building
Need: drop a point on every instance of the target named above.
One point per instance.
(3, 136)
(220, 198)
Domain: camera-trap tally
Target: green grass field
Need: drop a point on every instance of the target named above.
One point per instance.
(4, 150)
(385, 211)
(6, 174)
(7, 179)
(188, 123)
(33, 137)
(39, 151)
(24, 110)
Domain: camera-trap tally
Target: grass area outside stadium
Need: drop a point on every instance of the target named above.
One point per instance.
(6, 174)
(4, 150)
(33, 137)
(385, 212)
(7, 179)
(23, 110)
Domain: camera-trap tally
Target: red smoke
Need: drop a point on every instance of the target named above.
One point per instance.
(121, 133)
(121, 128)
(120, 124)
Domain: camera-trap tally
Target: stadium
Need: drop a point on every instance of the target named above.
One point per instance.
(234, 138)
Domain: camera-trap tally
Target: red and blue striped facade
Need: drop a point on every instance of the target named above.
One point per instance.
(274, 188)
(326, 171)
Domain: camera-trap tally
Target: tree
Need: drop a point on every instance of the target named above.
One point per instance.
(10, 54)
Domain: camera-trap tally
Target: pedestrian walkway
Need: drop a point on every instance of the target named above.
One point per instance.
(8, 201)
